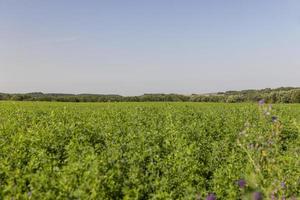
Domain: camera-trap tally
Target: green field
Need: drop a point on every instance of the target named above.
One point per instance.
(148, 150)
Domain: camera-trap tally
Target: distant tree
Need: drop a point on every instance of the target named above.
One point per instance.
(295, 97)
(278, 95)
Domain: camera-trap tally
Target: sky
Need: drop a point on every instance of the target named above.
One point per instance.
(140, 46)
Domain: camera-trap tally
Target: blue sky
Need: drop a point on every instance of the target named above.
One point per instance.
(140, 46)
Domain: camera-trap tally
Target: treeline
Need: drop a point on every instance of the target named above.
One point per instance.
(278, 95)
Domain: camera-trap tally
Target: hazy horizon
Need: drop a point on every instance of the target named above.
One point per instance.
(137, 47)
(199, 93)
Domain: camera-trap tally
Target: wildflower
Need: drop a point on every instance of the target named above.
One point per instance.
(211, 197)
(267, 113)
(261, 102)
(270, 141)
(270, 107)
(241, 183)
(251, 146)
(29, 194)
(283, 185)
(257, 196)
(273, 196)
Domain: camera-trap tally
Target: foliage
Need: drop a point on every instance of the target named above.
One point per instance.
(148, 151)
(279, 95)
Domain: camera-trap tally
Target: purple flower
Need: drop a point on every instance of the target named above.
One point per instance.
(261, 102)
(283, 185)
(273, 196)
(241, 183)
(257, 196)
(211, 197)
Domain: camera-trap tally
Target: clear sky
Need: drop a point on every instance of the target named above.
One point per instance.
(131, 47)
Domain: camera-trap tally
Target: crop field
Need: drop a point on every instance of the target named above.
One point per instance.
(149, 151)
